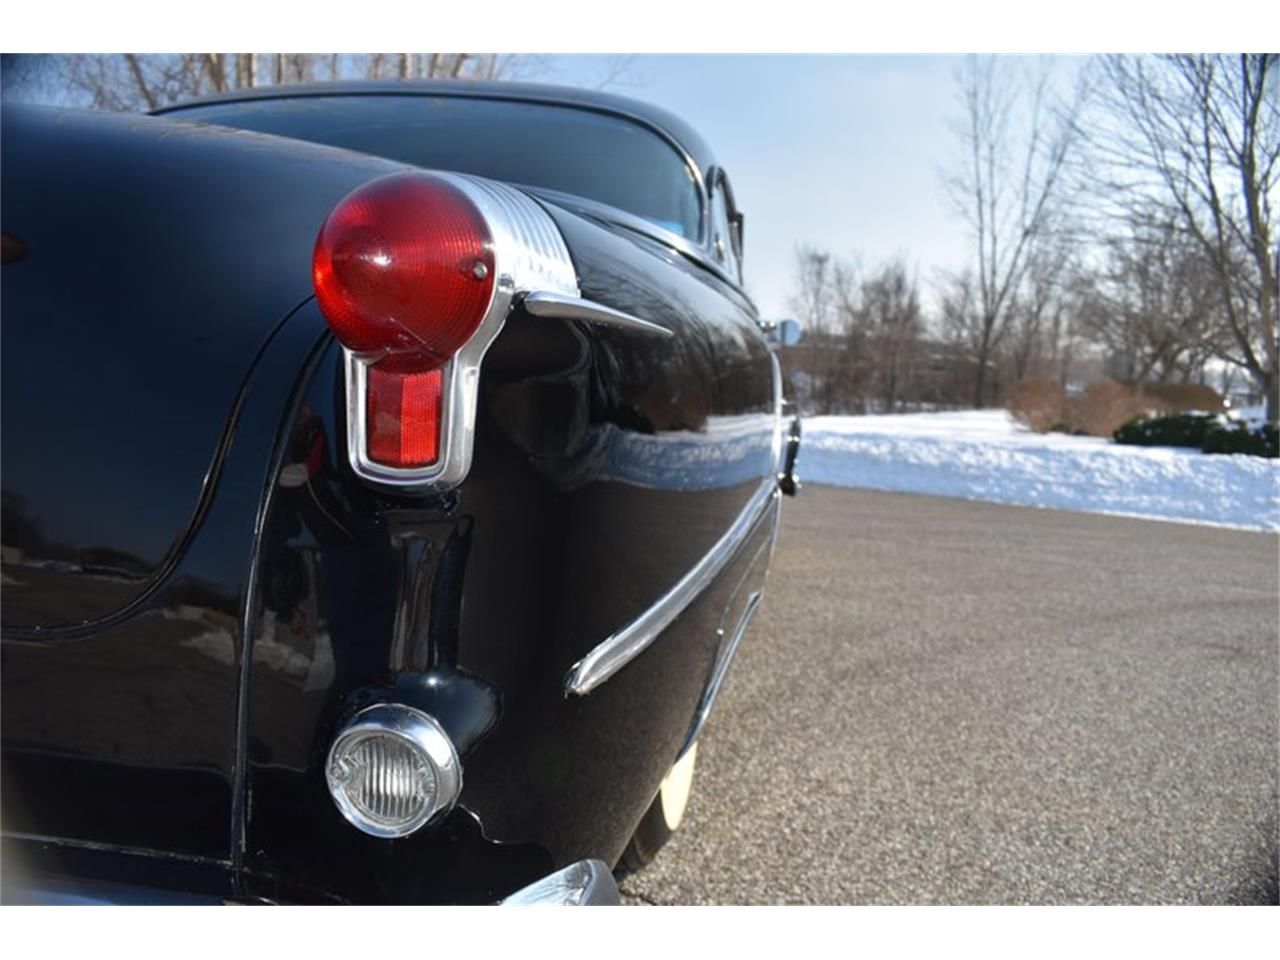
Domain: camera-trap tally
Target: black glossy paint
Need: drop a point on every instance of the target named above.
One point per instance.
(145, 377)
(159, 259)
(198, 719)
(474, 606)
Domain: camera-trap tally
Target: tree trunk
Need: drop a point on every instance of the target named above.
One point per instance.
(980, 384)
(135, 70)
(984, 357)
(216, 72)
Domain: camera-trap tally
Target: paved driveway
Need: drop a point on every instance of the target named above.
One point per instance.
(952, 702)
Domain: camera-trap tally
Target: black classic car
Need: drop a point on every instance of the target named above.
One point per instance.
(390, 473)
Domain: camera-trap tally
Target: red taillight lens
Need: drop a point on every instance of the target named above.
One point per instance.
(404, 266)
(403, 414)
(403, 271)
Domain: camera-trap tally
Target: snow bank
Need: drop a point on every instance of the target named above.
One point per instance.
(985, 455)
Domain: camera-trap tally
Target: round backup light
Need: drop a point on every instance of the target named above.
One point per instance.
(393, 769)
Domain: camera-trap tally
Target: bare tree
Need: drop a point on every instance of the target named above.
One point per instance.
(1202, 133)
(26, 71)
(139, 82)
(832, 361)
(961, 325)
(1066, 340)
(246, 70)
(215, 74)
(815, 305)
(135, 82)
(890, 315)
(849, 358)
(451, 66)
(617, 71)
(814, 297)
(1015, 142)
(127, 82)
(1153, 305)
(1038, 314)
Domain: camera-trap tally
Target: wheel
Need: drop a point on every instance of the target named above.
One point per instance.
(663, 817)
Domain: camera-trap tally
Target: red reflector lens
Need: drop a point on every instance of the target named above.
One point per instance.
(403, 416)
(404, 266)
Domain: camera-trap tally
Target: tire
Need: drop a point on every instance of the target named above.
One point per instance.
(663, 817)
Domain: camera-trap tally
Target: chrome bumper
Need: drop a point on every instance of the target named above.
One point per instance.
(587, 883)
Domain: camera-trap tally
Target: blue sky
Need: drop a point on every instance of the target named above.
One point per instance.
(841, 152)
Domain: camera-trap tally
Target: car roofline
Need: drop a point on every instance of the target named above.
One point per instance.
(679, 135)
(673, 129)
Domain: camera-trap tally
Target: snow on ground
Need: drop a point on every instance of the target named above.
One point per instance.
(985, 455)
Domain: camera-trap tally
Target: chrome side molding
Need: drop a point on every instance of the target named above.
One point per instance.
(547, 303)
(615, 652)
(718, 672)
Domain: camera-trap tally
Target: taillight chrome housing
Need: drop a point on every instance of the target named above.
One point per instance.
(415, 273)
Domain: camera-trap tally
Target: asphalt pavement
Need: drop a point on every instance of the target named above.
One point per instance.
(942, 701)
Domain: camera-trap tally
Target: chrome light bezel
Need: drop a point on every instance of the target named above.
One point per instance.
(421, 732)
(529, 254)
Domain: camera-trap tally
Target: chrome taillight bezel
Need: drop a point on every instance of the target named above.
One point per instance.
(529, 256)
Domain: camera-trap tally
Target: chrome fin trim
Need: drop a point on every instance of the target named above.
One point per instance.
(529, 254)
(525, 238)
(544, 303)
(615, 652)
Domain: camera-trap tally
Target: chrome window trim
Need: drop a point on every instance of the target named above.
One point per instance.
(726, 251)
(718, 181)
(529, 254)
(619, 649)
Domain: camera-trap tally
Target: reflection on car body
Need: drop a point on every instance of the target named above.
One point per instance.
(258, 644)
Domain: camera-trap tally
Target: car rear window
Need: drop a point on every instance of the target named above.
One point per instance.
(593, 155)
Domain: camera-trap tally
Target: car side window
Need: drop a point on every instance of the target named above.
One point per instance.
(726, 227)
